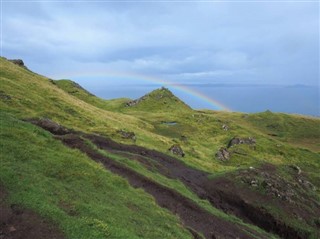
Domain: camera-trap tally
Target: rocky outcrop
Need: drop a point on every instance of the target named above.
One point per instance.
(177, 150)
(127, 135)
(225, 127)
(135, 102)
(236, 140)
(223, 154)
(18, 62)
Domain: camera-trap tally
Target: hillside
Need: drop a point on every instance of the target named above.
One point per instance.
(151, 167)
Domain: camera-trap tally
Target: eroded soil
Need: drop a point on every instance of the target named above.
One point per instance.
(19, 223)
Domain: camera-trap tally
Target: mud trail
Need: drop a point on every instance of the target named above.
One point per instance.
(19, 223)
(192, 216)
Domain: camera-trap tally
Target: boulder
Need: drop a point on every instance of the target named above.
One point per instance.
(225, 127)
(223, 154)
(18, 62)
(236, 140)
(177, 150)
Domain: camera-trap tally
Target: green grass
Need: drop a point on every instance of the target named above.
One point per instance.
(79, 195)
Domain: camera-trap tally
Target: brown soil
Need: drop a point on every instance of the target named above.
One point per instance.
(19, 223)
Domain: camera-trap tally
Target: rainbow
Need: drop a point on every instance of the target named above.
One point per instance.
(214, 103)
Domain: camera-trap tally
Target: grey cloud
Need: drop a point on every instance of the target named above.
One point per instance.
(227, 42)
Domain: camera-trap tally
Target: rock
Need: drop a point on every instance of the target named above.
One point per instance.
(235, 141)
(223, 154)
(127, 135)
(177, 150)
(225, 127)
(18, 62)
(134, 102)
(307, 185)
(254, 182)
(143, 153)
(296, 168)
(12, 229)
(51, 126)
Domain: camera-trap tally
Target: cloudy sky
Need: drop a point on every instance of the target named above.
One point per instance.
(186, 42)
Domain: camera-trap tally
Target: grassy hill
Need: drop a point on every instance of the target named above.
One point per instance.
(82, 184)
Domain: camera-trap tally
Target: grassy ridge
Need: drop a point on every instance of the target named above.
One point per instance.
(76, 90)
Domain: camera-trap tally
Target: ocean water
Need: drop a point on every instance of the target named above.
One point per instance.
(250, 99)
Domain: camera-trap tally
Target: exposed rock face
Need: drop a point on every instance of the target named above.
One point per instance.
(134, 102)
(235, 141)
(18, 62)
(127, 135)
(223, 154)
(177, 150)
(51, 126)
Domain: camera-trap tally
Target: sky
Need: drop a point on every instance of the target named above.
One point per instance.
(182, 42)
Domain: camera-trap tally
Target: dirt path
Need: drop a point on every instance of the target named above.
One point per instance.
(189, 212)
(221, 193)
(19, 223)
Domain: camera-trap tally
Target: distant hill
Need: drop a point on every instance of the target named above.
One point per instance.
(74, 165)
(159, 100)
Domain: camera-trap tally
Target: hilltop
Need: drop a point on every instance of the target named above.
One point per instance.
(159, 100)
(86, 167)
